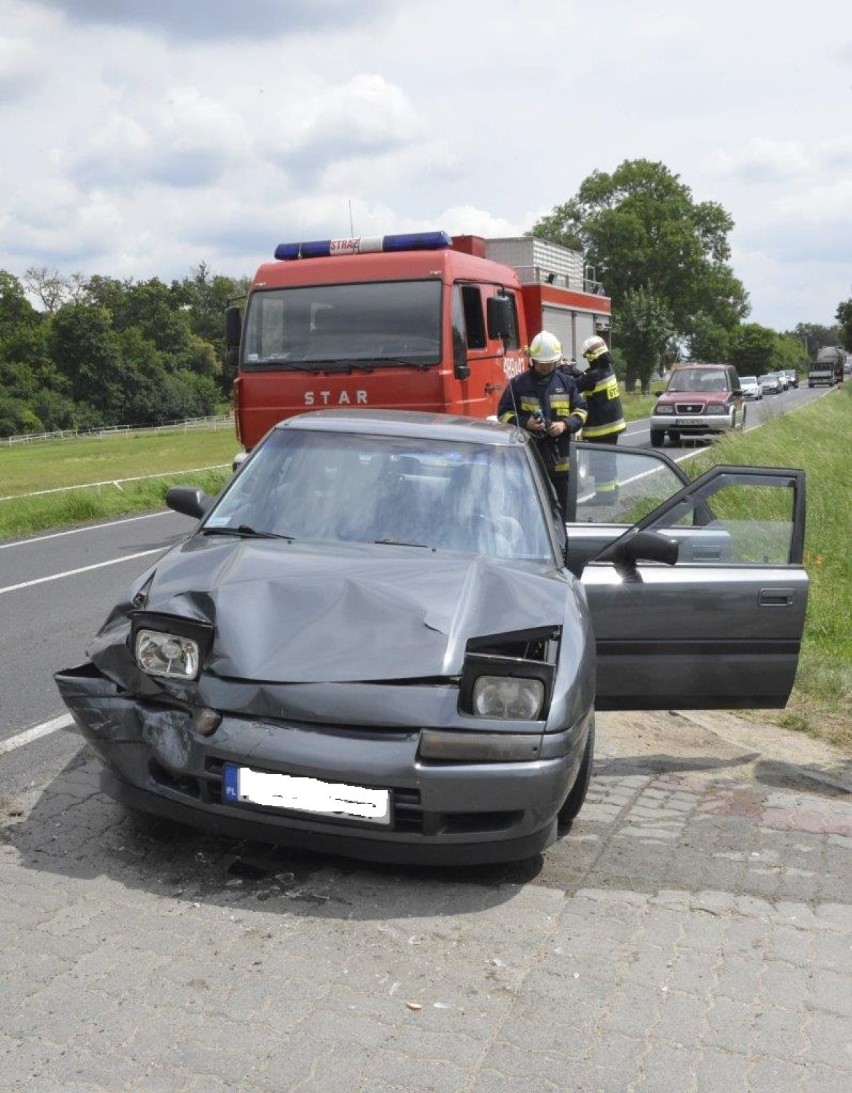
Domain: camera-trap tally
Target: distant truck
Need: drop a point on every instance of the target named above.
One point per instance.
(412, 322)
(828, 367)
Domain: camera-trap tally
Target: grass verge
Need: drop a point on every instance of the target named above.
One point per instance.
(110, 462)
(814, 438)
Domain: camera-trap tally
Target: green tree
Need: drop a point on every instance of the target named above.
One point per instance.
(753, 349)
(644, 328)
(87, 352)
(844, 319)
(642, 230)
(789, 352)
(814, 336)
(709, 341)
(205, 296)
(15, 309)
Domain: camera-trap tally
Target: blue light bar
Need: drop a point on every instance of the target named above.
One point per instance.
(364, 244)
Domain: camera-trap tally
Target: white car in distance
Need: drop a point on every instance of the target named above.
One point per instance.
(751, 389)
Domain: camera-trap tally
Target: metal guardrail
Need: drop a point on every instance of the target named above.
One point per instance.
(104, 432)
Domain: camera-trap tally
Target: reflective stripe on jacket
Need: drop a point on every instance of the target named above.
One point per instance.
(599, 384)
(556, 398)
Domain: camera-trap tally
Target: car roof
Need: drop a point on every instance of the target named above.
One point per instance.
(407, 423)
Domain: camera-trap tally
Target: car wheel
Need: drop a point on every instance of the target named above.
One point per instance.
(674, 436)
(658, 437)
(574, 800)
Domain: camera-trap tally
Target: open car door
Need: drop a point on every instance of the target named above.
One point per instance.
(720, 623)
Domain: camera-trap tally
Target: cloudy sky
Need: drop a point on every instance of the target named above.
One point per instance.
(141, 137)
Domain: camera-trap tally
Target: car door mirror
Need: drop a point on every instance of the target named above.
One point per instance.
(639, 546)
(189, 501)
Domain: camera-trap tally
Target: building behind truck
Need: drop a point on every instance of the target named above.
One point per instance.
(422, 321)
(828, 367)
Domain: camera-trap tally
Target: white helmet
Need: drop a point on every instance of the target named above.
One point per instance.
(594, 347)
(546, 348)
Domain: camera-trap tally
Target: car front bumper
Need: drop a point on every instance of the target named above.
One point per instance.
(692, 424)
(441, 813)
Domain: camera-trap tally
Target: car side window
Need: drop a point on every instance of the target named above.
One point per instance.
(747, 516)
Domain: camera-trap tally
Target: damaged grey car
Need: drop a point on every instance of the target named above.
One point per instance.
(383, 640)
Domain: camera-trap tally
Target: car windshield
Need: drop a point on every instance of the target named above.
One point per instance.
(376, 323)
(330, 487)
(748, 381)
(697, 379)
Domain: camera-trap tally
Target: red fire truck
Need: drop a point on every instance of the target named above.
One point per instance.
(419, 322)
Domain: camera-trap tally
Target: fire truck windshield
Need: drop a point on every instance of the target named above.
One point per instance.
(376, 323)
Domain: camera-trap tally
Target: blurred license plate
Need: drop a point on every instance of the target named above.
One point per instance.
(688, 421)
(242, 785)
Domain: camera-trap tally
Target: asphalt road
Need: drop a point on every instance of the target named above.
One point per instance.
(55, 591)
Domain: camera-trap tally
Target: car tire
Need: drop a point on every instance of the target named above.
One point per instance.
(674, 437)
(574, 801)
(658, 437)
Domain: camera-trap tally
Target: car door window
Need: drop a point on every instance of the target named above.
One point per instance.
(738, 515)
(611, 489)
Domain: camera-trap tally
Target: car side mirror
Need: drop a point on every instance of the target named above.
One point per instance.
(737, 391)
(641, 546)
(657, 394)
(189, 501)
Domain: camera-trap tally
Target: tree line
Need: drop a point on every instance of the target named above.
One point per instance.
(663, 258)
(101, 351)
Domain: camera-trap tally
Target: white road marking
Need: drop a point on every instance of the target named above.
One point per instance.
(82, 569)
(36, 733)
(89, 527)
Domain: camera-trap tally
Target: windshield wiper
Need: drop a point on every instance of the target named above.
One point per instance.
(399, 542)
(246, 532)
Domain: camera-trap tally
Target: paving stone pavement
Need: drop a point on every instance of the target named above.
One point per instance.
(692, 932)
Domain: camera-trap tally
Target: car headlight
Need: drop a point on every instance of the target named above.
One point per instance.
(509, 698)
(168, 655)
(664, 409)
(719, 411)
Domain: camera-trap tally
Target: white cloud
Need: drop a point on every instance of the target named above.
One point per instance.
(763, 160)
(143, 137)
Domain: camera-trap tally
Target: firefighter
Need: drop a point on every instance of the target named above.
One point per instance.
(599, 385)
(545, 401)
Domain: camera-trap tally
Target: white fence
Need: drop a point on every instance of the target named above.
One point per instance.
(220, 422)
(116, 483)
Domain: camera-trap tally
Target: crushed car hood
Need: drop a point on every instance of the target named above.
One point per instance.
(285, 613)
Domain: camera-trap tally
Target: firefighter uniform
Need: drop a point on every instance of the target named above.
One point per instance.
(599, 385)
(556, 398)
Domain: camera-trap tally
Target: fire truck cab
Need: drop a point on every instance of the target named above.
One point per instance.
(420, 321)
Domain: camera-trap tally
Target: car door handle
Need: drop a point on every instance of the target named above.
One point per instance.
(775, 597)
